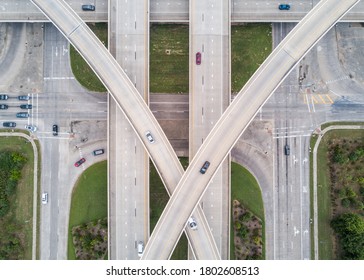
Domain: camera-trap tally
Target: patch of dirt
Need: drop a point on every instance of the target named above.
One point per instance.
(247, 233)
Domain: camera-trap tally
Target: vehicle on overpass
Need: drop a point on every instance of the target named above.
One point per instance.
(88, 8)
(192, 223)
(284, 7)
(204, 167)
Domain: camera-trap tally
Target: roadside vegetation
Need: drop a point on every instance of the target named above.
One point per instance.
(16, 198)
(169, 57)
(247, 223)
(341, 195)
(81, 70)
(88, 211)
(250, 45)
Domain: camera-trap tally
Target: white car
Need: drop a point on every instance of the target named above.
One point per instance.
(149, 137)
(140, 248)
(44, 198)
(31, 128)
(192, 223)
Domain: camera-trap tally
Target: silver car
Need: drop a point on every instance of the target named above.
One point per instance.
(31, 128)
(149, 137)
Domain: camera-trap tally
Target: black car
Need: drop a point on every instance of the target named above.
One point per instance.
(4, 106)
(23, 97)
(26, 106)
(88, 7)
(3, 97)
(98, 152)
(9, 124)
(287, 150)
(22, 115)
(55, 130)
(204, 167)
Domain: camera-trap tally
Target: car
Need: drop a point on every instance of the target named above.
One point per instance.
(23, 97)
(31, 128)
(198, 58)
(55, 130)
(4, 96)
(79, 162)
(4, 106)
(88, 7)
(140, 248)
(22, 115)
(44, 198)
(26, 106)
(287, 150)
(98, 152)
(284, 7)
(9, 124)
(204, 167)
(149, 137)
(192, 223)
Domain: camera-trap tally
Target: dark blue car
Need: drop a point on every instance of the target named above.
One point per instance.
(284, 7)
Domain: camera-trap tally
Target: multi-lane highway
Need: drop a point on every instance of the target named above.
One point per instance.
(209, 97)
(128, 161)
(233, 123)
(178, 11)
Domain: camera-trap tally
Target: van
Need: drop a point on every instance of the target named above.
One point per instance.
(140, 248)
(98, 152)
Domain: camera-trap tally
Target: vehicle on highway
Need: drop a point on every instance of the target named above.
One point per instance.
(284, 7)
(55, 130)
(140, 248)
(31, 128)
(4, 96)
(44, 198)
(198, 58)
(79, 162)
(88, 7)
(9, 124)
(26, 106)
(192, 223)
(98, 152)
(4, 106)
(22, 115)
(204, 167)
(149, 137)
(23, 97)
(287, 150)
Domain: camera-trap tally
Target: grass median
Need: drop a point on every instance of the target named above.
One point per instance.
(81, 70)
(89, 200)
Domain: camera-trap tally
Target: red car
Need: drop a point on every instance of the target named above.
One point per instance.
(78, 163)
(198, 58)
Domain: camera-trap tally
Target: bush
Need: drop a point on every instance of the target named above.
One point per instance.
(345, 202)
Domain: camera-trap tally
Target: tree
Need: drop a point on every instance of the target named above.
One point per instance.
(350, 229)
